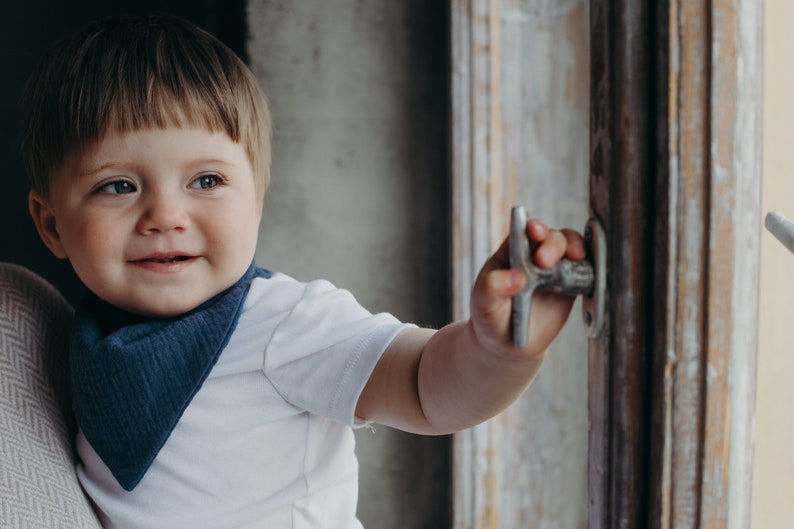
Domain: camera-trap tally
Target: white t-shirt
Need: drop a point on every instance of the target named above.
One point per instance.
(267, 441)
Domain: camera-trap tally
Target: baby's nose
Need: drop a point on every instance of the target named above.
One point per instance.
(162, 214)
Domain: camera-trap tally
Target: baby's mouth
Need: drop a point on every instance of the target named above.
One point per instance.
(165, 259)
(169, 260)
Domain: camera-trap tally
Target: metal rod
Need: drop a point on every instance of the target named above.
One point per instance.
(781, 228)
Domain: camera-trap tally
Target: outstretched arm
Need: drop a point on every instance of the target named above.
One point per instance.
(437, 382)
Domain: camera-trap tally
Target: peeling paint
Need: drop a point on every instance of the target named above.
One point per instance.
(527, 144)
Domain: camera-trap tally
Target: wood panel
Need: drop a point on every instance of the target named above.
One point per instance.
(520, 77)
(619, 196)
(676, 177)
(707, 246)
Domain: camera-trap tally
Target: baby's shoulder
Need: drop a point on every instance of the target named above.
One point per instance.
(282, 293)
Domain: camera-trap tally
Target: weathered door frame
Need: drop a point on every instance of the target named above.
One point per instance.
(675, 178)
(510, 146)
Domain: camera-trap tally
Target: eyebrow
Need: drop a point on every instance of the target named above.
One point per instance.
(101, 167)
(110, 165)
(206, 161)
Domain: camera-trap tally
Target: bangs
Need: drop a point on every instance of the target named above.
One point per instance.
(158, 81)
(140, 73)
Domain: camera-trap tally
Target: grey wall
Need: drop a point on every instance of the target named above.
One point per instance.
(359, 193)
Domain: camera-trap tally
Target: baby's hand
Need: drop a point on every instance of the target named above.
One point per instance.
(441, 382)
(497, 284)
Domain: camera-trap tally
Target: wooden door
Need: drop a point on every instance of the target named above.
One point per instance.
(674, 177)
(520, 89)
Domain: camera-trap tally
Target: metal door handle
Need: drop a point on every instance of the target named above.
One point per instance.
(586, 277)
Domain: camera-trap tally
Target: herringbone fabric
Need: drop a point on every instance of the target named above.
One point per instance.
(38, 486)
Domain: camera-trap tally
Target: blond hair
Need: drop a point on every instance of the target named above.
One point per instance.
(139, 72)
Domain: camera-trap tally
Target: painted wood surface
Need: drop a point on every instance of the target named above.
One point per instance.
(620, 198)
(706, 335)
(520, 77)
(676, 177)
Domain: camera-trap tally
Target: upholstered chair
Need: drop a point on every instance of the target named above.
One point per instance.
(38, 485)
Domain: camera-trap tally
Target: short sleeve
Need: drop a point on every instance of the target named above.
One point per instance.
(324, 350)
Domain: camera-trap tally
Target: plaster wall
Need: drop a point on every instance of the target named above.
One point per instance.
(773, 479)
(359, 192)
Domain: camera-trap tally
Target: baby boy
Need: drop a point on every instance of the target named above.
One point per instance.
(210, 392)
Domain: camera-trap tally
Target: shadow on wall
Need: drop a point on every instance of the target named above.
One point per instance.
(28, 30)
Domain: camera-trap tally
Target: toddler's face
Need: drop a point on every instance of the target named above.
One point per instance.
(154, 221)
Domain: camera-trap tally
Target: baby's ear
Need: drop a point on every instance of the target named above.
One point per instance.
(44, 218)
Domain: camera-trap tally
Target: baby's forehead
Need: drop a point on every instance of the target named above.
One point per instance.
(182, 141)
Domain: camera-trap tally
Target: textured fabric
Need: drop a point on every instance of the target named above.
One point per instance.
(266, 441)
(38, 485)
(130, 388)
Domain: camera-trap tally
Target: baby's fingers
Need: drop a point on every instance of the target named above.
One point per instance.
(495, 286)
(491, 303)
(552, 245)
(575, 249)
(551, 249)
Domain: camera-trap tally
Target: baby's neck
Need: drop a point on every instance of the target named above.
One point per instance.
(111, 318)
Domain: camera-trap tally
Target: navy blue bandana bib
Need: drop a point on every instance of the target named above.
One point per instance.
(133, 377)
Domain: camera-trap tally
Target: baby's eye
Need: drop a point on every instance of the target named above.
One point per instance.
(206, 181)
(118, 187)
